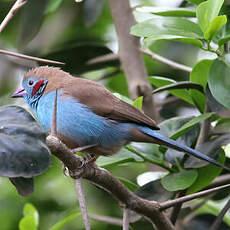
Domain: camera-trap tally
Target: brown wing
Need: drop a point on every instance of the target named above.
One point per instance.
(104, 103)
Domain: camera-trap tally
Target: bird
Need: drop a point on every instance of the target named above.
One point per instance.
(89, 116)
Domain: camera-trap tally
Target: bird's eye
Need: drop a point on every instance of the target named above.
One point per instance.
(31, 82)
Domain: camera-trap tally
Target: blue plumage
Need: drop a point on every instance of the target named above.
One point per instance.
(88, 114)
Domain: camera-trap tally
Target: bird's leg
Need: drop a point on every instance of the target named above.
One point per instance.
(81, 148)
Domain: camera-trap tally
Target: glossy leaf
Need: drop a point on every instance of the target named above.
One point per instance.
(179, 181)
(33, 13)
(167, 26)
(147, 151)
(77, 56)
(211, 148)
(138, 102)
(147, 177)
(206, 175)
(207, 12)
(162, 81)
(196, 2)
(23, 150)
(215, 25)
(190, 124)
(124, 156)
(168, 11)
(65, 220)
(187, 40)
(219, 82)
(169, 128)
(24, 186)
(130, 185)
(154, 191)
(30, 219)
(199, 75)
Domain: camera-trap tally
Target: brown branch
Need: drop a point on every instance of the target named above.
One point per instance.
(125, 219)
(104, 58)
(167, 61)
(107, 219)
(171, 203)
(177, 208)
(218, 220)
(5, 52)
(130, 56)
(17, 5)
(82, 203)
(105, 180)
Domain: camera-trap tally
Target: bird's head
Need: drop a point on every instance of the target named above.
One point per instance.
(32, 88)
(38, 81)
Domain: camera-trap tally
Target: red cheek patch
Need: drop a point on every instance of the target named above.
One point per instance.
(37, 87)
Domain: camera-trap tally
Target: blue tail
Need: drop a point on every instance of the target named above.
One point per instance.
(162, 140)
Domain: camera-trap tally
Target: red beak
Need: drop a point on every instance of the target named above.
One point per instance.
(19, 92)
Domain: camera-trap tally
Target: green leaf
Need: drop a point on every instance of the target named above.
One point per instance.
(170, 127)
(147, 151)
(31, 218)
(219, 82)
(181, 93)
(124, 156)
(31, 156)
(123, 98)
(168, 11)
(179, 181)
(217, 23)
(214, 208)
(207, 12)
(53, 6)
(206, 175)
(138, 102)
(190, 124)
(130, 185)
(65, 220)
(199, 75)
(196, 2)
(187, 40)
(167, 26)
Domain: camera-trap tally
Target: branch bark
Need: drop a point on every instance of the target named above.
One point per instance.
(17, 5)
(130, 55)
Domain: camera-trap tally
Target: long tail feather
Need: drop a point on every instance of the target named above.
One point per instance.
(162, 140)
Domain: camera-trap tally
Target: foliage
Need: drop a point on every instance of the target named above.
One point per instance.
(78, 34)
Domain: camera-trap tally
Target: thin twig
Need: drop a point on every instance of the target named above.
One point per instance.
(171, 203)
(125, 219)
(82, 203)
(6, 52)
(218, 220)
(17, 5)
(104, 58)
(107, 219)
(166, 61)
(177, 208)
(220, 180)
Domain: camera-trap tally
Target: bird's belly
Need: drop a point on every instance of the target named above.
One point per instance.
(77, 125)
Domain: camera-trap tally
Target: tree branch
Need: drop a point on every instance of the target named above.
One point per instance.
(125, 219)
(218, 220)
(167, 61)
(130, 56)
(105, 180)
(171, 203)
(30, 57)
(17, 5)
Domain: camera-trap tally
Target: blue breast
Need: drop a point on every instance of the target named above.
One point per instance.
(77, 122)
